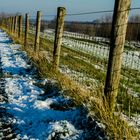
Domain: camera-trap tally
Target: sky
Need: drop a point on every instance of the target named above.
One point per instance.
(49, 7)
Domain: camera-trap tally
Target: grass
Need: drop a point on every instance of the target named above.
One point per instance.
(94, 99)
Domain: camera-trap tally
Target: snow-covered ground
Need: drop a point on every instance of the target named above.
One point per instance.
(40, 112)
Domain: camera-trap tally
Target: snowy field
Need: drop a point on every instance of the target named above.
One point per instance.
(98, 52)
(39, 110)
(131, 59)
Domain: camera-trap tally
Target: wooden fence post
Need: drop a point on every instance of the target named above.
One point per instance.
(61, 12)
(20, 27)
(2, 23)
(11, 24)
(6, 24)
(15, 25)
(118, 34)
(26, 29)
(37, 35)
(13, 21)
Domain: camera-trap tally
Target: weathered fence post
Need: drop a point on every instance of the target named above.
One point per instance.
(6, 23)
(37, 35)
(11, 24)
(2, 23)
(15, 24)
(10, 27)
(12, 30)
(20, 27)
(26, 29)
(61, 12)
(118, 33)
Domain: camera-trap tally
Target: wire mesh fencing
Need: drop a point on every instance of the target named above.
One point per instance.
(32, 31)
(83, 54)
(84, 58)
(129, 91)
(47, 36)
(85, 51)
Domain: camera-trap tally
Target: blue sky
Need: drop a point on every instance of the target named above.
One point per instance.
(50, 6)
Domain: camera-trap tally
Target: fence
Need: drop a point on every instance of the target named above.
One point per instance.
(85, 50)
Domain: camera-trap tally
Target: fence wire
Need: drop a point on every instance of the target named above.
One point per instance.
(47, 36)
(85, 52)
(85, 49)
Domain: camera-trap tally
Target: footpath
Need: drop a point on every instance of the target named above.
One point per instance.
(34, 109)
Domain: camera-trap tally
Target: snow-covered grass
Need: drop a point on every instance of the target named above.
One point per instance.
(78, 56)
(130, 58)
(33, 118)
(86, 51)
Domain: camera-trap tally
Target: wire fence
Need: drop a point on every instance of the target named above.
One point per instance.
(85, 52)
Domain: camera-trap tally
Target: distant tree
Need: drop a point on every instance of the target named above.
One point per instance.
(44, 25)
(52, 23)
(134, 19)
(106, 18)
(133, 29)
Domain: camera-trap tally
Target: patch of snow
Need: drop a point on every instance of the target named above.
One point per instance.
(33, 116)
(62, 130)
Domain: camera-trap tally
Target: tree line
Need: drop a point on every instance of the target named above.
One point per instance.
(100, 27)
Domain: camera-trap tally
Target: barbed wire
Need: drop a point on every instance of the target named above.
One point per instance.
(88, 13)
(92, 12)
(85, 13)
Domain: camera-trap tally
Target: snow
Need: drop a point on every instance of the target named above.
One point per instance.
(39, 113)
(33, 118)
